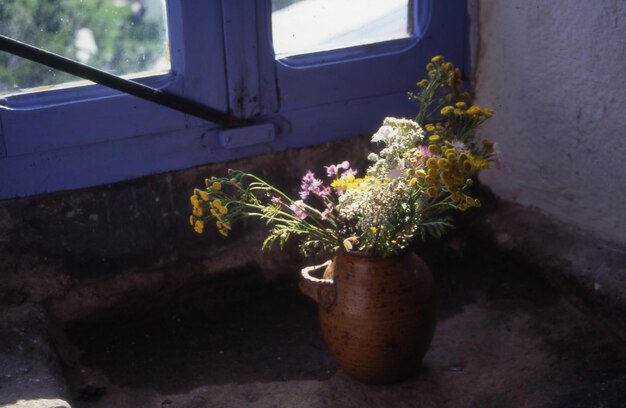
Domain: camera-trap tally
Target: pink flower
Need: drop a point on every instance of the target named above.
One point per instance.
(298, 209)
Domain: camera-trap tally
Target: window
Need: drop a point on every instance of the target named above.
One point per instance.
(119, 36)
(305, 26)
(227, 54)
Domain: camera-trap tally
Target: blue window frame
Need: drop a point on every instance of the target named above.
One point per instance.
(221, 55)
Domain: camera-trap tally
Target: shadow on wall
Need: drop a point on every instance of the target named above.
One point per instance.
(47, 241)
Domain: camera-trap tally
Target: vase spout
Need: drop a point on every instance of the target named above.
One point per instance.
(322, 290)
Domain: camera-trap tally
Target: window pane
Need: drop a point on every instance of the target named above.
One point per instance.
(304, 26)
(118, 36)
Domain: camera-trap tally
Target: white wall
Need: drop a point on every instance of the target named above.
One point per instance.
(555, 73)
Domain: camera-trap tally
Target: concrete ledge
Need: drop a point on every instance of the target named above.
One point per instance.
(30, 374)
(588, 270)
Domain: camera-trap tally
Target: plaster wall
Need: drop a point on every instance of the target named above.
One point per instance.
(554, 73)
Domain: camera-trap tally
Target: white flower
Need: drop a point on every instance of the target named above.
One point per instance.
(399, 136)
(383, 134)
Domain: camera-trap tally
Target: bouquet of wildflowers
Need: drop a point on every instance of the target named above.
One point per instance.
(424, 171)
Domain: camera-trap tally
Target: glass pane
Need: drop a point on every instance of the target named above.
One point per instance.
(119, 36)
(304, 26)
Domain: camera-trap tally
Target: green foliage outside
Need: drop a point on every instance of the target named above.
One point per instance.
(126, 42)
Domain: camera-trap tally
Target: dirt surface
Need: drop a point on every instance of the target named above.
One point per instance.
(504, 339)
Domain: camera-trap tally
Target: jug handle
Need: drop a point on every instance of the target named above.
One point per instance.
(322, 291)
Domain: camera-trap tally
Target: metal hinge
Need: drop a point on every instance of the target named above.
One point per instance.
(248, 135)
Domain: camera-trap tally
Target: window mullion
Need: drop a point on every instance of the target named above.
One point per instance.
(250, 65)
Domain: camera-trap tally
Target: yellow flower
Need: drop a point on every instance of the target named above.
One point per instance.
(197, 211)
(434, 138)
(436, 59)
(413, 182)
(192, 220)
(467, 166)
(204, 195)
(216, 214)
(423, 83)
(434, 150)
(432, 162)
(224, 232)
(447, 110)
(199, 226)
(474, 110)
(478, 163)
(194, 200)
(216, 203)
(429, 127)
(350, 183)
(461, 105)
(223, 210)
(217, 186)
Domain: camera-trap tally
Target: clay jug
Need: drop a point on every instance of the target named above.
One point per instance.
(377, 314)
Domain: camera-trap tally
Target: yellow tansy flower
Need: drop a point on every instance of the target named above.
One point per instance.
(447, 110)
(434, 138)
(434, 149)
(199, 226)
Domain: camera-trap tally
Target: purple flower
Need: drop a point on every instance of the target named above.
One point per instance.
(333, 169)
(348, 173)
(327, 211)
(298, 209)
(276, 200)
(310, 184)
(458, 145)
(424, 154)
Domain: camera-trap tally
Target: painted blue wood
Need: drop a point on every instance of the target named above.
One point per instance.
(55, 127)
(3, 150)
(375, 70)
(101, 137)
(102, 163)
(250, 64)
